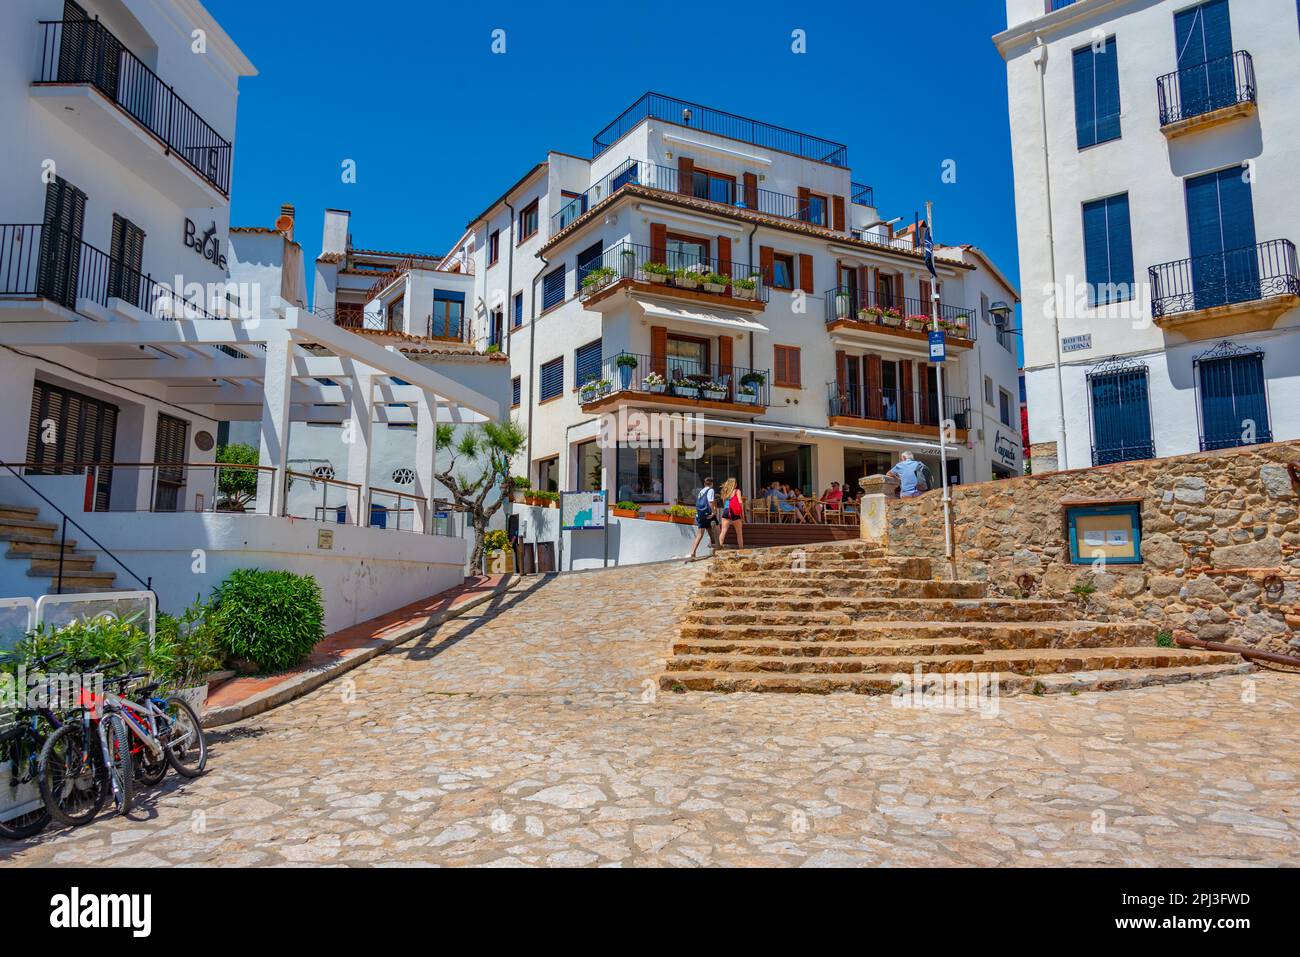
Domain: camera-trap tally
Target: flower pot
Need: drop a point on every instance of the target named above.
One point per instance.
(741, 293)
(891, 321)
(625, 377)
(626, 513)
(681, 520)
(714, 287)
(196, 697)
(715, 395)
(746, 399)
(657, 277)
(687, 283)
(657, 389)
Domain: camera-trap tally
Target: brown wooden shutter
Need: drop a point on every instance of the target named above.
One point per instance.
(841, 370)
(686, 176)
(778, 365)
(837, 205)
(905, 386)
(806, 273)
(873, 376)
(900, 293)
(659, 349)
(765, 261)
(658, 243)
(725, 367)
(751, 190)
(863, 276)
(724, 255)
(925, 297)
(793, 366)
(802, 212)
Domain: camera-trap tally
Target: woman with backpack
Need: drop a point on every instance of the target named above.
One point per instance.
(733, 512)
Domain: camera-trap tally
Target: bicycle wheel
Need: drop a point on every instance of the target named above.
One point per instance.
(184, 741)
(23, 751)
(120, 772)
(70, 781)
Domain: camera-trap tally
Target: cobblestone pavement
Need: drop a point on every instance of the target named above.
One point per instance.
(533, 734)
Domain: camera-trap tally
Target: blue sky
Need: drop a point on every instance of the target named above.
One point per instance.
(439, 126)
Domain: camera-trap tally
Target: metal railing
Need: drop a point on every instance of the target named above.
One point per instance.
(1205, 87)
(355, 319)
(862, 194)
(719, 123)
(868, 306)
(672, 269)
(389, 508)
(679, 377)
(906, 244)
(896, 405)
(84, 51)
(1111, 454)
(50, 263)
(1236, 275)
(173, 486)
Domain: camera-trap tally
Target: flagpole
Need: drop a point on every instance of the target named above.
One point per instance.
(938, 379)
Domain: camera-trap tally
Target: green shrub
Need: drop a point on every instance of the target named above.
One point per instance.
(271, 618)
(628, 506)
(186, 649)
(496, 540)
(680, 511)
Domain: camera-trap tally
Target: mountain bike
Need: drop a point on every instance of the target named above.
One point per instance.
(20, 749)
(166, 731)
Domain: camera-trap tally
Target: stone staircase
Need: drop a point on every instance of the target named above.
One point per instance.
(846, 617)
(37, 543)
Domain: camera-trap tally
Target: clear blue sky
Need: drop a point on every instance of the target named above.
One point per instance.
(439, 126)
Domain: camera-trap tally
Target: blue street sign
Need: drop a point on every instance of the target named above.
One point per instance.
(938, 352)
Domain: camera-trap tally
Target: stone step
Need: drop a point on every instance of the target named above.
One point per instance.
(80, 577)
(9, 527)
(49, 565)
(1123, 679)
(728, 561)
(1024, 662)
(828, 649)
(835, 610)
(1000, 634)
(851, 588)
(25, 513)
(878, 569)
(30, 546)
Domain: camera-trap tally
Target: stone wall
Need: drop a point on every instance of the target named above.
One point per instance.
(1220, 541)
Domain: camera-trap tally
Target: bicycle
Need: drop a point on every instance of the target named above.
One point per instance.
(167, 731)
(20, 748)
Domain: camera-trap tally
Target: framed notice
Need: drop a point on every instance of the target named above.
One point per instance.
(582, 510)
(1110, 533)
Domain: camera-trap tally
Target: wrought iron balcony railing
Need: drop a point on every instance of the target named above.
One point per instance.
(719, 123)
(677, 377)
(1196, 90)
(897, 405)
(671, 270)
(869, 306)
(862, 194)
(1236, 275)
(85, 52)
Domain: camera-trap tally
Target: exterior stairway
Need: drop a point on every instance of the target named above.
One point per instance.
(37, 543)
(845, 617)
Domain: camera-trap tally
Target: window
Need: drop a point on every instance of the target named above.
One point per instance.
(589, 466)
(1234, 408)
(394, 315)
(126, 262)
(988, 390)
(548, 474)
(815, 212)
(1221, 237)
(686, 251)
(1004, 406)
(783, 271)
(519, 309)
(590, 258)
(1121, 415)
(714, 186)
(1206, 74)
(497, 323)
(1108, 250)
(553, 288)
(515, 391)
(640, 474)
(786, 372)
(494, 246)
(528, 219)
(171, 441)
(984, 307)
(586, 363)
(1096, 94)
(687, 356)
(85, 431)
(716, 457)
(551, 380)
(448, 313)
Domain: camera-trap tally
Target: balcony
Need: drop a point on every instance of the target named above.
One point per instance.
(636, 267)
(41, 262)
(851, 310)
(1228, 293)
(90, 80)
(896, 410)
(672, 382)
(1207, 94)
(719, 123)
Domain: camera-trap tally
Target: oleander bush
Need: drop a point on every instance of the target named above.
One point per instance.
(271, 618)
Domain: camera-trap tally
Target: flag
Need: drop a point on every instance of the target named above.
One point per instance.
(929, 257)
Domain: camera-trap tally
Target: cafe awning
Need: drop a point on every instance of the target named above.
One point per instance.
(713, 318)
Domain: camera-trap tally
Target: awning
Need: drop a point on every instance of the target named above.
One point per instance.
(733, 321)
(795, 431)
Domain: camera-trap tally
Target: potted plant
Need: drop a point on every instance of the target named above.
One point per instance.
(750, 383)
(716, 282)
(743, 288)
(654, 382)
(549, 499)
(688, 277)
(629, 261)
(500, 556)
(843, 305)
(713, 390)
(655, 516)
(627, 509)
(868, 314)
(519, 487)
(589, 390)
(596, 279)
(657, 272)
(891, 317)
(917, 322)
(680, 514)
(626, 362)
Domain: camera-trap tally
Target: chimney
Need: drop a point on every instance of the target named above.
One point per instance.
(335, 236)
(285, 223)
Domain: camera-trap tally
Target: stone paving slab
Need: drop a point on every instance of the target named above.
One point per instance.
(529, 732)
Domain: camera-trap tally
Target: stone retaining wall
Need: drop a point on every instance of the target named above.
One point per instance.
(1220, 541)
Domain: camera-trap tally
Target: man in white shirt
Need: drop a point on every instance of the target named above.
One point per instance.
(705, 518)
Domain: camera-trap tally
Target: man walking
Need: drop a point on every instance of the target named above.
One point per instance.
(705, 519)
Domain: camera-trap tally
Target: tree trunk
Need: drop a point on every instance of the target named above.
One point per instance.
(479, 523)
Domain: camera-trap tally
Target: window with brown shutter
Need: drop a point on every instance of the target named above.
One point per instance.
(781, 271)
(528, 221)
(786, 372)
(806, 273)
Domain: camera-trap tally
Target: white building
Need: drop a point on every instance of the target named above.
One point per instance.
(123, 346)
(1154, 145)
(594, 269)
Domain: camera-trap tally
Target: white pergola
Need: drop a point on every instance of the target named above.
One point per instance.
(276, 370)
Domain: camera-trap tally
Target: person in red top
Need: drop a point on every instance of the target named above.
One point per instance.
(733, 513)
(832, 496)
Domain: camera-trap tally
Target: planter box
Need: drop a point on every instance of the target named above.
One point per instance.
(746, 399)
(740, 293)
(681, 519)
(689, 283)
(713, 396)
(626, 513)
(655, 516)
(657, 389)
(714, 287)
(891, 321)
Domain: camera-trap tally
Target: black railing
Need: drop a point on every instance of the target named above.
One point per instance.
(1236, 275)
(897, 405)
(53, 264)
(668, 268)
(1111, 454)
(893, 311)
(719, 123)
(677, 376)
(905, 244)
(1205, 87)
(862, 194)
(357, 319)
(84, 51)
